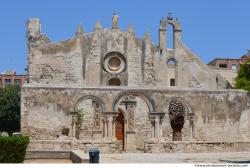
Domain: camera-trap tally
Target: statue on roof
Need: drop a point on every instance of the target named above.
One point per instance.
(115, 21)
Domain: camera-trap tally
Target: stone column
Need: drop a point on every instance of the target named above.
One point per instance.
(105, 129)
(157, 126)
(74, 119)
(110, 126)
(156, 118)
(191, 125)
(113, 125)
(73, 130)
(152, 128)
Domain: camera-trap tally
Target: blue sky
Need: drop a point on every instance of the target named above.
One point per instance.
(211, 28)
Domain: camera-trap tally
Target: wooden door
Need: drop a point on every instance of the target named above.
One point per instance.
(119, 128)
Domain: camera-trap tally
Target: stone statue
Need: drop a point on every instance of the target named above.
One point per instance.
(115, 21)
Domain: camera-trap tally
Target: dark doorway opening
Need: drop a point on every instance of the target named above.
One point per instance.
(119, 128)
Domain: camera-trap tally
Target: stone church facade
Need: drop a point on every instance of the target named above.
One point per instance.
(115, 91)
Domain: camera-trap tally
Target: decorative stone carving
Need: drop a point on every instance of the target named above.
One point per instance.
(176, 115)
(131, 117)
(97, 116)
(114, 63)
(130, 108)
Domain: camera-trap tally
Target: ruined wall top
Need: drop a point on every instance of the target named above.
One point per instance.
(116, 58)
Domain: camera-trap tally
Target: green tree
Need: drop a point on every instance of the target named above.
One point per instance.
(10, 109)
(243, 78)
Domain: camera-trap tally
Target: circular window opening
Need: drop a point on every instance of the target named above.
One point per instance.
(114, 82)
(114, 63)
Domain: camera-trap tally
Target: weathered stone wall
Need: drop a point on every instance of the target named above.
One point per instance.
(67, 145)
(56, 64)
(80, 61)
(196, 147)
(218, 115)
(74, 74)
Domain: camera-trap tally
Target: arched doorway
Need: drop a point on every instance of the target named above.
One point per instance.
(119, 128)
(135, 107)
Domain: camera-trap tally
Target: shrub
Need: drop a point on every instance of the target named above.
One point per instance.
(243, 78)
(10, 109)
(13, 149)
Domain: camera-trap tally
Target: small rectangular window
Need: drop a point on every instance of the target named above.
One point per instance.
(17, 82)
(7, 82)
(223, 65)
(172, 82)
(234, 67)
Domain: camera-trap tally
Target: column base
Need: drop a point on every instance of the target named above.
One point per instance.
(130, 148)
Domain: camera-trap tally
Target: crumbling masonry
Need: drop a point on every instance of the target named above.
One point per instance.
(134, 95)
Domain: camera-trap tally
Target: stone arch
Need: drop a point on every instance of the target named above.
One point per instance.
(172, 71)
(92, 116)
(172, 59)
(99, 101)
(179, 99)
(175, 28)
(137, 107)
(123, 112)
(179, 116)
(170, 36)
(150, 103)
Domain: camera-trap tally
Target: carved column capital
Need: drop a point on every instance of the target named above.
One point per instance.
(109, 118)
(156, 115)
(74, 116)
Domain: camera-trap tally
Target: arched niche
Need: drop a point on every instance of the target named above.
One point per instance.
(91, 108)
(114, 82)
(179, 119)
(171, 72)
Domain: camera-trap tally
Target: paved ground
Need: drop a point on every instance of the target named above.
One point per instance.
(235, 157)
(232, 157)
(47, 161)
